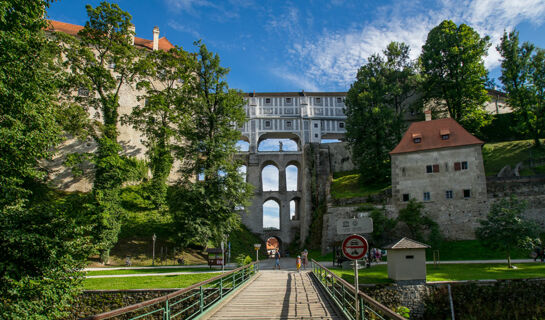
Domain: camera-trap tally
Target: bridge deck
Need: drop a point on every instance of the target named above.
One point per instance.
(279, 295)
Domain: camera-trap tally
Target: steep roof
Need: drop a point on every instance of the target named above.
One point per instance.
(430, 133)
(73, 29)
(406, 243)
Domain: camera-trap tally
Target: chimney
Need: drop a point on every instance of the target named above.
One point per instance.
(132, 31)
(427, 114)
(155, 38)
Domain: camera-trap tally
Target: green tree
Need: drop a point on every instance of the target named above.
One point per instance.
(376, 104)
(505, 228)
(103, 61)
(419, 223)
(168, 78)
(523, 79)
(206, 208)
(41, 246)
(454, 75)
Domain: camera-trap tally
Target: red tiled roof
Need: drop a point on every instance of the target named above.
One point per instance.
(73, 29)
(430, 134)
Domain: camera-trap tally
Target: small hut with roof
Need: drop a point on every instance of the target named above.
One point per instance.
(407, 260)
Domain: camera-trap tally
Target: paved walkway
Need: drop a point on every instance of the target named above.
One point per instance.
(278, 294)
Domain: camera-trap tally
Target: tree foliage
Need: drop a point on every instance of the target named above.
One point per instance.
(168, 78)
(421, 226)
(506, 229)
(103, 61)
(41, 246)
(454, 75)
(376, 104)
(206, 208)
(523, 78)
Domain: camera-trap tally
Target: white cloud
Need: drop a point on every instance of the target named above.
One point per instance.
(291, 178)
(334, 57)
(189, 5)
(271, 214)
(184, 28)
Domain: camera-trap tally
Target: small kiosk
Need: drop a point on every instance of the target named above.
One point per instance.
(215, 257)
(407, 260)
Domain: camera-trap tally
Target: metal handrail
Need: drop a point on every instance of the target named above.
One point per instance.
(343, 293)
(228, 282)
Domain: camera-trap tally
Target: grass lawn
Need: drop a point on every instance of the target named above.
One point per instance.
(137, 271)
(498, 155)
(348, 186)
(470, 250)
(154, 282)
(317, 255)
(452, 272)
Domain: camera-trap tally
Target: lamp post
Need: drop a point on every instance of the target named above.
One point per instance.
(256, 247)
(154, 238)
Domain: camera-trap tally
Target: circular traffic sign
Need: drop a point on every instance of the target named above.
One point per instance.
(355, 247)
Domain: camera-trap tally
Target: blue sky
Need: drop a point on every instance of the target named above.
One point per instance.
(312, 45)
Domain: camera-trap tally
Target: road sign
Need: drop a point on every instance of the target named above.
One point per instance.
(257, 246)
(355, 247)
(352, 226)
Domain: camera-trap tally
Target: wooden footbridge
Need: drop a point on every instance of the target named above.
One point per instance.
(248, 293)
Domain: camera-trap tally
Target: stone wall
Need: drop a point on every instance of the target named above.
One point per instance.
(93, 302)
(490, 299)
(340, 157)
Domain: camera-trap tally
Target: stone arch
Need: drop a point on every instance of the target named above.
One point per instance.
(243, 144)
(243, 170)
(293, 177)
(295, 208)
(273, 243)
(271, 208)
(269, 183)
(280, 135)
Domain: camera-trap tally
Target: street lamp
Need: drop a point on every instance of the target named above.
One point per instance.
(256, 247)
(154, 238)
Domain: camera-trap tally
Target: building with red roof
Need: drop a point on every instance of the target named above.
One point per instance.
(439, 163)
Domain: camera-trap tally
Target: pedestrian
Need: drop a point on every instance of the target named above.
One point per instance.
(298, 263)
(305, 258)
(277, 260)
(378, 255)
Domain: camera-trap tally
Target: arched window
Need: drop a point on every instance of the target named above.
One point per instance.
(242, 171)
(269, 178)
(277, 145)
(271, 215)
(242, 146)
(294, 209)
(291, 178)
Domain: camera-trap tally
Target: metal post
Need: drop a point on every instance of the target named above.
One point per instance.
(234, 280)
(201, 299)
(166, 315)
(153, 259)
(356, 286)
(221, 287)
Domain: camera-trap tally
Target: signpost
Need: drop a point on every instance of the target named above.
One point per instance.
(153, 259)
(256, 247)
(355, 226)
(355, 247)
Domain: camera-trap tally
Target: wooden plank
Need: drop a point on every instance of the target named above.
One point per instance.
(279, 295)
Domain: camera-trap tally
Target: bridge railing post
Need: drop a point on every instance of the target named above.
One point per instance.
(166, 314)
(201, 299)
(221, 287)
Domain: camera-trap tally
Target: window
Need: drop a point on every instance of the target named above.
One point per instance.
(339, 100)
(464, 165)
(445, 136)
(467, 193)
(417, 137)
(429, 168)
(288, 124)
(435, 168)
(288, 100)
(315, 135)
(417, 140)
(457, 166)
(318, 100)
(83, 92)
(405, 197)
(315, 125)
(267, 124)
(448, 194)
(341, 125)
(268, 100)
(427, 196)
(409, 257)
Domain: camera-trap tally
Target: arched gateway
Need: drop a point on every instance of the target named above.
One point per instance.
(280, 128)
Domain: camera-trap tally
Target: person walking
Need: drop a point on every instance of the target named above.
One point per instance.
(277, 260)
(305, 258)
